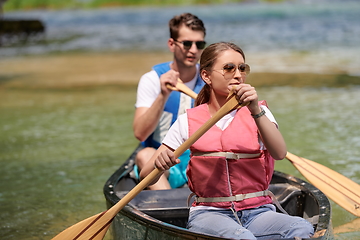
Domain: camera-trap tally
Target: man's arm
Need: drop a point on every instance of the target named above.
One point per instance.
(147, 118)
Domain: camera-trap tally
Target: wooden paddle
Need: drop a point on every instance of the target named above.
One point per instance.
(95, 227)
(339, 188)
(181, 87)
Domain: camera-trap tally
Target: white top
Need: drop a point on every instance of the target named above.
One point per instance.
(179, 131)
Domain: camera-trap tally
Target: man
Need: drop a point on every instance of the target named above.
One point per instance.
(157, 107)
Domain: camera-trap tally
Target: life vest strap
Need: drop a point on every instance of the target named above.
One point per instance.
(236, 198)
(227, 155)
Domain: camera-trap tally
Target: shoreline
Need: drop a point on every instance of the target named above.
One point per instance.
(92, 4)
(88, 70)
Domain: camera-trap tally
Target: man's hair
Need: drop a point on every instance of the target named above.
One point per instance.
(187, 19)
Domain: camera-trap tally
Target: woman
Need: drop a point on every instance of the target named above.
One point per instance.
(232, 163)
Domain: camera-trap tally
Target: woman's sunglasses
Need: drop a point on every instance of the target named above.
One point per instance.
(188, 44)
(230, 68)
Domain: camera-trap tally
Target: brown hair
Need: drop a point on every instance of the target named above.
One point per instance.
(207, 60)
(189, 20)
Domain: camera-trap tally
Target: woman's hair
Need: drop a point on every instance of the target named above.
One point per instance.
(187, 19)
(207, 60)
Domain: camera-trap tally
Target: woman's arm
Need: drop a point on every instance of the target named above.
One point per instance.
(163, 159)
(271, 137)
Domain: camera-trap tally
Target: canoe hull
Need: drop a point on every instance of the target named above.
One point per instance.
(163, 214)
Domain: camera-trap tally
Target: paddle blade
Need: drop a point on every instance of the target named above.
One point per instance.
(353, 226)
(95, 227)
(342, 190)
(92, 228)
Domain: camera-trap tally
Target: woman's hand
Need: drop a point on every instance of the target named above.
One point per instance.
(165, 160)
(247, 94)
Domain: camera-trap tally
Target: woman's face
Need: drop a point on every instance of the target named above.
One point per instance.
(228, 70)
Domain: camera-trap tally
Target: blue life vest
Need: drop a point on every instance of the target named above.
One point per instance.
(173, 103)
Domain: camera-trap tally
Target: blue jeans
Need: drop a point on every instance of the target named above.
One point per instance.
(256, 223)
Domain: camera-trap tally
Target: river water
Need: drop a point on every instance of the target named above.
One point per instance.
(58, 147)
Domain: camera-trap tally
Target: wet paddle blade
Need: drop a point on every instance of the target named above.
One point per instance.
(92, 228)
(342, 190)
(95, 227)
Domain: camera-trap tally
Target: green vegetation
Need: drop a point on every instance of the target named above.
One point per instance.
(60, 4)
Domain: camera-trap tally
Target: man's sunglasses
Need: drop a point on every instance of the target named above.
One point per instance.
(230, 68)
(188, 44)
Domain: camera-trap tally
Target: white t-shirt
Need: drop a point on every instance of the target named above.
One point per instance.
(147, 92)
(179, 133)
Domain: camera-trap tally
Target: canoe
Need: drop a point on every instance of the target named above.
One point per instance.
(162, 214)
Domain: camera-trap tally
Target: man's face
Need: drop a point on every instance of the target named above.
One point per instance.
(188, 56)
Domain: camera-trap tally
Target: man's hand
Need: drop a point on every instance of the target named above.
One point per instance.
(170, 77)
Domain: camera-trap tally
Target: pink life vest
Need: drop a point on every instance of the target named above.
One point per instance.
(214, 176)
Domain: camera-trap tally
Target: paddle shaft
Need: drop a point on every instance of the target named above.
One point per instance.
(180, 86)
(230, 105)
(186, 89)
